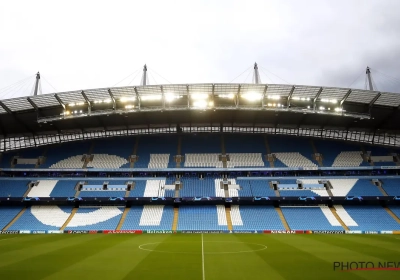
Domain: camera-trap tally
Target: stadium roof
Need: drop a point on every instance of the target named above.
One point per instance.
(251, 105)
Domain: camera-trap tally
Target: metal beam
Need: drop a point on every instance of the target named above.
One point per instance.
(188, 96)
(344, 98)
(33, 104)
(5, 107)
(264, 94)
(316, 98)
(237, 96)
(88, 102)
(373, 101)
(112, 99)
(290, 96)
(163, 97)
(59, 100)
(213, 95)
(138, 97)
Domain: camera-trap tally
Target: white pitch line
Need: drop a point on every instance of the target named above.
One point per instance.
(202, 256)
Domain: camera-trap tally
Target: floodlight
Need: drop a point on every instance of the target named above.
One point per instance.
(199, 96)
(150, 97)
(169, 97)
(252, 96)
(228, 96)
(274, 97)
(125, 99)
(200, 104)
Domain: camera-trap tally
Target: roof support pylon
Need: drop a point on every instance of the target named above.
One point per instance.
(145, 79)
(36, 84)
(256, 75)
(368, 72)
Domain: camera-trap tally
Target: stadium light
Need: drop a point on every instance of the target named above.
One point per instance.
(129, 106)
(169, 97)
(301, 98)
(200, 104)
(125, 99)
(199, 96)
(274, 97)
(228, 96)
(333, 101)
(252, 96)
(151, 97)
(72, 104)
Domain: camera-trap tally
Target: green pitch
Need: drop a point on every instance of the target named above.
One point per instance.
(196, 256)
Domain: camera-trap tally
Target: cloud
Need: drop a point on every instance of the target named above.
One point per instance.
(91, 44)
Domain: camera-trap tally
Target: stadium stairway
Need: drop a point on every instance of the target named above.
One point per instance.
(69, 218)
(27, 190)
(78, 192)
(175, 221)
(127, 193)
(393, 215)
(15, 219)
(134, 152)
(379, 186)
(317, 159)
(123, 217)
(328, 189)
(177, 188)
(282, 217)
(333, 210)
(228, 217)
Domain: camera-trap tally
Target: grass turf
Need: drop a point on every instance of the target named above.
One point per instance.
(180, 256)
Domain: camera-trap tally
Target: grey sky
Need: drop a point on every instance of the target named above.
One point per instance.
(92, 44)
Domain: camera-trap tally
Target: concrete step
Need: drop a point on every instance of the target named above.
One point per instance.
(333, 210)
(15, 219)
(73, 212)
(123, 217)
(282, 217)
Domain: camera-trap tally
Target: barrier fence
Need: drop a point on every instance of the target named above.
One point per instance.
(197, 231)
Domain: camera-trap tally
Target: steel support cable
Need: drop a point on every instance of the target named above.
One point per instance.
(126, 77)
(155, 82)
(355, 80)
(390, 77)
(134, 78)
(44, 79)
(247, 76)
(158, 74)
(19, 89)
(240, 74)
(266, 75)
(12, 86)
(274, 74)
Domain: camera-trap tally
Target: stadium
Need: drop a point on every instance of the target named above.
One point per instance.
(201, 181)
